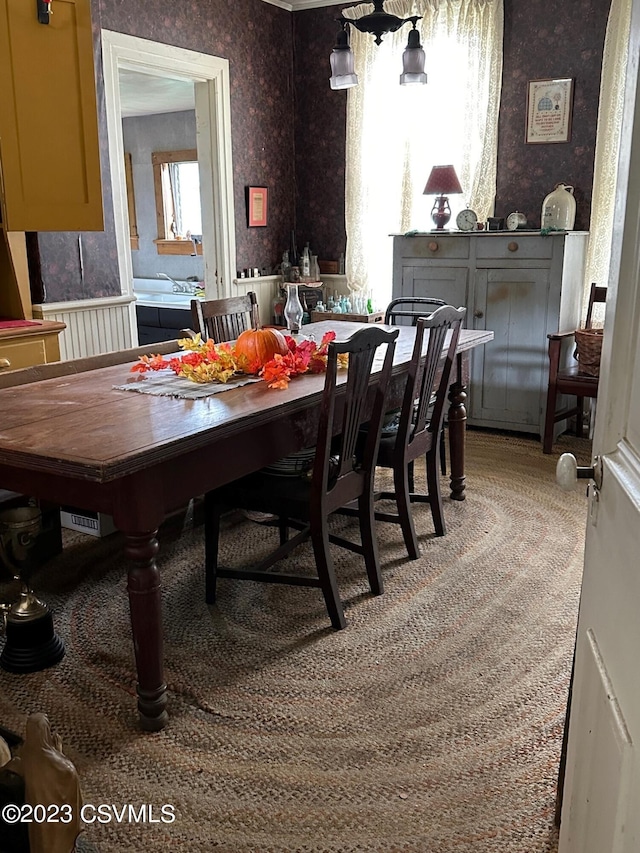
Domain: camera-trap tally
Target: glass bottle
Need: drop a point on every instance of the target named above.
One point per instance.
(293, 251)
(315, 268)
(293, 310)
(286, 267)
(306, 263)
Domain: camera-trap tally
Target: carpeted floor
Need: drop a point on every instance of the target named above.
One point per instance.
(432, 724)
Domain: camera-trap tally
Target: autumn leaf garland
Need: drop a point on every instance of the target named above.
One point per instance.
(205, 361)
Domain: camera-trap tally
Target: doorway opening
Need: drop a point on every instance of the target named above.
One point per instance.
(178, 81)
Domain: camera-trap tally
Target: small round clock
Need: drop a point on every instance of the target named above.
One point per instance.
(516, 220)
(467, 220)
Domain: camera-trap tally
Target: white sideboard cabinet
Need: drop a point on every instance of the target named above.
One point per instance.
(522, 286)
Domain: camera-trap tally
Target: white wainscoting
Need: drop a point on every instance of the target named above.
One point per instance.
(94, 326)
(265, 288)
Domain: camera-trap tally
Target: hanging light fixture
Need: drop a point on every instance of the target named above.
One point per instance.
(377, 23)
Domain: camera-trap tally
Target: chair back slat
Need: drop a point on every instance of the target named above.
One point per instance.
(224, 319)
(429, 376)
(596, 294)
(362, 349)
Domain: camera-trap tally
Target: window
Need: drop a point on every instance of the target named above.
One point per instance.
(176, 180)
(395, 134)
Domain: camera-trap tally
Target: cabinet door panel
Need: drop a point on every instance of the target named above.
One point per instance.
(508, 374)
(49, 151)
(448, 283)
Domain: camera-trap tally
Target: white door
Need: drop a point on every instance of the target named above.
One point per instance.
(601, 805)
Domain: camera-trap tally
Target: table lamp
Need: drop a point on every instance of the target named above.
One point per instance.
(442, 182)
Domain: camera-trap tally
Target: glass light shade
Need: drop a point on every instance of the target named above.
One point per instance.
(413, 61)
(343, 74)
(413, 67)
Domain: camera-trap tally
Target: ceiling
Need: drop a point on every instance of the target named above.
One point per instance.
(148, 94)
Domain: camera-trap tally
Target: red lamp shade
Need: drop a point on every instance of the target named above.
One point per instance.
(442, 182)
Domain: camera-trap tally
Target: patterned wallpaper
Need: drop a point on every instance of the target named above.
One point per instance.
(545, 39)
(288, 127)
(256, 38)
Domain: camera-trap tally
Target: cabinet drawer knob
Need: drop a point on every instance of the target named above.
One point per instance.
(433, 246)
(478, 314)
(513, 247)
(4, 363)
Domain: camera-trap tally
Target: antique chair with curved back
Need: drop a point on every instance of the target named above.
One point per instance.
(337, 477)
(405, 310)
(418, 431)
(419, 427)
(224, 319)
(569, 380)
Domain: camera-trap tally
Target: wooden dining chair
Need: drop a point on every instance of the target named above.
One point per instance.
(305, 503)
(569, 380)
(419, 426)
(405, 311)
(224, 319)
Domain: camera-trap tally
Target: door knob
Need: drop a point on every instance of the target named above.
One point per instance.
(568, 472)
(478, 314)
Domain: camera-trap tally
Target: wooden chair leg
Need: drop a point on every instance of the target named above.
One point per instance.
(283, 529)
(366, 515)
(212, 515)
(443, 453)
(411, 476)
(326, 573)
(401, 475)
(435, 495)
(549, 419)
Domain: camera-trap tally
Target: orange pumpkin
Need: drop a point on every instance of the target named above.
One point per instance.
(255, 347)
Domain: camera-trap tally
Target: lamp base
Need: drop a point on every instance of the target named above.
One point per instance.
(31, 645)
(441, 212)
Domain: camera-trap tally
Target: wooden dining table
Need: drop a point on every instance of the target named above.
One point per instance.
(67, 436)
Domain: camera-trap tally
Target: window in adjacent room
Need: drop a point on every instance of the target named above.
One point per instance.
(176, 180)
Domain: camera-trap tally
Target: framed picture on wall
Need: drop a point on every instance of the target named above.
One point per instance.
(549, 110)
(257, 206)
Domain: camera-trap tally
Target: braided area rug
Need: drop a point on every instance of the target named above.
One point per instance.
(431, 724)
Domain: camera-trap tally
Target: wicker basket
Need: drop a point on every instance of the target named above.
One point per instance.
(588, 350)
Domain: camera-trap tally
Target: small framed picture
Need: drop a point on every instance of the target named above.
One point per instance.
(257, 206)
(549, 110)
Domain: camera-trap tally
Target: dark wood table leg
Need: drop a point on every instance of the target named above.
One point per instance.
(457, 425)
(145, 607)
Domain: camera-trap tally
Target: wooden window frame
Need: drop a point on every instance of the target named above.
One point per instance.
(166, 243)
(134, 237)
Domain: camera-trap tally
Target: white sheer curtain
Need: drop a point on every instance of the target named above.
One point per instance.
(395, 134)
(605, 168)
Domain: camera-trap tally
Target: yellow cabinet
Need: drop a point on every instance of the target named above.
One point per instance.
(49, 148)
(28, 345)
